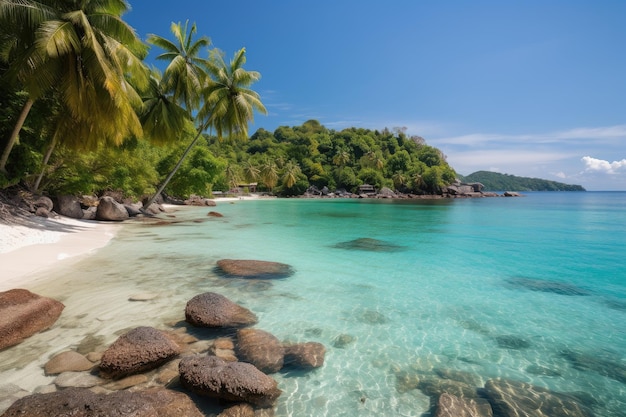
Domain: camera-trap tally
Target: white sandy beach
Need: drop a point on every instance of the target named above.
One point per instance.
(29, 246)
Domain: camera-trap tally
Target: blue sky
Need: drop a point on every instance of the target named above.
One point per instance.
(530, 88)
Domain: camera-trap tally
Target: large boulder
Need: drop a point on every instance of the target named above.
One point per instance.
(305, 355)
(260, 348)
(214, 310)
(139, 350)
(230, 381)
(513, 398)
(247, 268)
(452, 406)
(111, 210)
(81, 402)
(69, 206)
(22, 314)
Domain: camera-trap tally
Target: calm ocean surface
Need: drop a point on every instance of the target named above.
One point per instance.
(531, 289)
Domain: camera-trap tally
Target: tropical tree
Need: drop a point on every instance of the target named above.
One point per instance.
(87, 55)
(215, 92)
(269, 173)
(250, 171)
(291, 170)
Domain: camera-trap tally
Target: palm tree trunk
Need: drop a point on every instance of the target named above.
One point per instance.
(171, 174)
(16, 130)
(46, 158)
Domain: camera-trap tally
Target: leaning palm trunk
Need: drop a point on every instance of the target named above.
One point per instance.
(16, 130)
(171, 174)
(44, 164)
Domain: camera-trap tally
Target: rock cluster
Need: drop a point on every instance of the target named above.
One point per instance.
(250, 268)
(131, 376)
(457, 394)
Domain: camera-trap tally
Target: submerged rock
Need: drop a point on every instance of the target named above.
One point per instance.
(613, 368)
(139, 350)
(214, 310)
(450, 405)
(260, 348)
(66, 362)
(23, 313)
(370, 245)
(512, 342)
(306, 355)
(246, 268)
(512, 399)
(555, 287)
(77, 402)
(343, 340)
(229, 381)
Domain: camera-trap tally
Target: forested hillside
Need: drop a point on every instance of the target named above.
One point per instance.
(494, 181)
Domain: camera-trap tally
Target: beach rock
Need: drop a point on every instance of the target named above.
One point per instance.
(139, 350)
(513, 398)
(611, 367)
(42, 212)
(133, 210)
(260, 348)
(90, 213)
(44, 202)
(111, 210)
(154, 208)
(77, 402)
(230, 381)
(305, 355)
(214, 310)
(22, 314)
(69, 206)
(386, 192)
(511, 194)
(66, 362)
(215, 214)
(512, 342)
(243, 268)
(452, 406)
(195, 200)
(239, 410)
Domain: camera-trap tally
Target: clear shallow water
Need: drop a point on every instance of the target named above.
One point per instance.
(532, 289)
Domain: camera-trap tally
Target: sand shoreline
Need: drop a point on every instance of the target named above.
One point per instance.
(30, 245)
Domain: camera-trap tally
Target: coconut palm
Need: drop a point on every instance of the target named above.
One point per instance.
(250, 171)
(291, 170)
(225, 101)
(82, 51)
(269, 173)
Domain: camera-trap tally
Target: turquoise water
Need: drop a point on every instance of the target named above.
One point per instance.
(531, 289)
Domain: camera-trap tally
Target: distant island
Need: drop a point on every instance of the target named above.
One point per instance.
(494, 181)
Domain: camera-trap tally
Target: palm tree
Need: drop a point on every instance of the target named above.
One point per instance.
(269, 173)
(291, 170)
(250, 171)
(232, 176)
(399, 179)
(83, 52)
(225, 102)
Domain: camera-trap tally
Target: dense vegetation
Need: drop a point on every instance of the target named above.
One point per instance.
(494, 181)
(82, 113)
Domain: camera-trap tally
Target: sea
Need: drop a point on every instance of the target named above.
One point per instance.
(406, 295)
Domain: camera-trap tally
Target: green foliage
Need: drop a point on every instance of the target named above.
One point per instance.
(494, 181)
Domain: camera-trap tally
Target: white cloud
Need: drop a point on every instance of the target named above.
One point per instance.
(600, 165)
(560, 174)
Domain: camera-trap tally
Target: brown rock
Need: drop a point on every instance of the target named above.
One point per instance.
(111, 210)
(22, 314)
(67, 361)
(305, 355)
(230, 381)
(244, 268)
(214, 310)
(215, 214)
(260, 348)
(453, 406)
(512, 398)
(239, 410)
(139, 350)
(77, 402)
(68, 205)
(129, 381)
